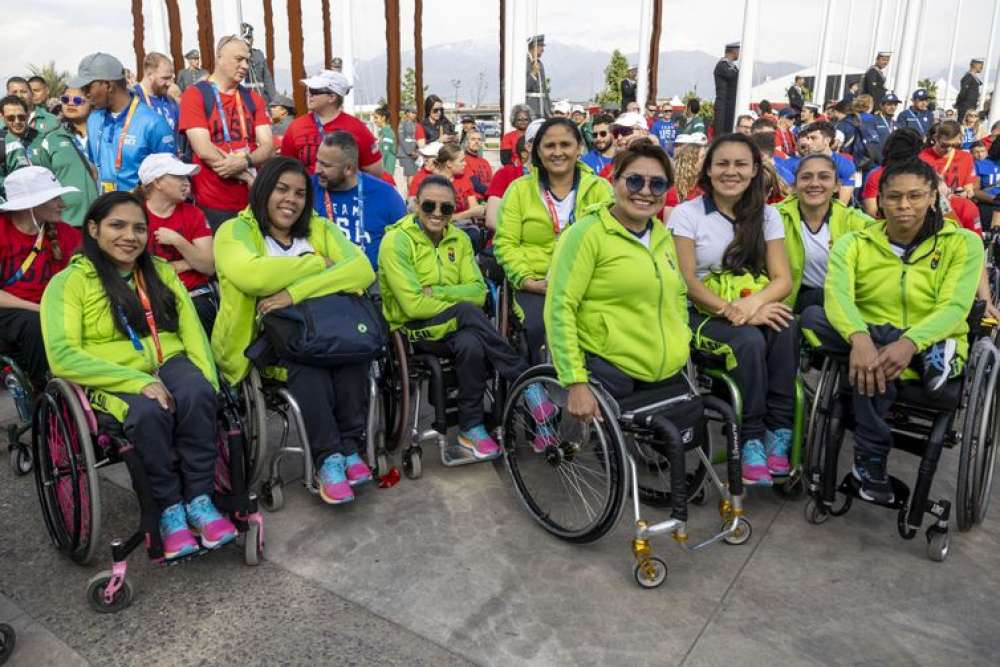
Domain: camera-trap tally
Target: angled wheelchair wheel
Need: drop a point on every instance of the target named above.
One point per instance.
(254, 418)
(826, 424)
(394, 386)
(65, 472)
(570, 476)
(977, 456)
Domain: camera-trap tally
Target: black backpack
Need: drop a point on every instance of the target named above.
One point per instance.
(208, 103)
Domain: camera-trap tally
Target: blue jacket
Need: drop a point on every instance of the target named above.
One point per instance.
(147, 133)
(920, 121)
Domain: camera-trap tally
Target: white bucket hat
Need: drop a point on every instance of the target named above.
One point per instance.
(30, 187)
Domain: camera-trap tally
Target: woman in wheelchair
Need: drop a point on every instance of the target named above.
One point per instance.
(178, 230)
(814, 219)
(897, 297)
(34, 246)
(121, 324)
(731, 251)
(275, 253)
(535, 209)
(616, 308)
(433, 290)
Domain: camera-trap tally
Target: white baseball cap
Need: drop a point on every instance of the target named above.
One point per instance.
(163, 164)
(696, 138)
(532, 129)
(578, 108)
(631, 119)
(30, 187)
(432, 149)
(562, 106)
(334, 82)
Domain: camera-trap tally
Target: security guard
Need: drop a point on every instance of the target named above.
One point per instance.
(917, 116)
(874, 82)
(193, 73)
(727, 72)
(536, 87)
(629, 86)
(968, 94)
(885, 121)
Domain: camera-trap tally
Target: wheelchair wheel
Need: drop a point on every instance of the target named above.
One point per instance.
(65, 472)
(254, 419)
(574, 484)
(395, 389)
(96, 599)
(826, 424)
(8, 639)
(21, 460)
(977, 457)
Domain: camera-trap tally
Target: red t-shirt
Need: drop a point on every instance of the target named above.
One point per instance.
(673, 200)
(509, 143)
(188, 221)
(210, 190)
(478, 167)
(463, 190)
(501, 180)
(957, 172)
(14, 248)
(302, 140)
(421, 174)
(870, 190)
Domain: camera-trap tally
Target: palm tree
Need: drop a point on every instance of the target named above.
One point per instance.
(56, 80)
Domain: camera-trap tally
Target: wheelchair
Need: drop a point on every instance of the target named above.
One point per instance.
(967, 417)
(19, 387)
(576, 488)
(71, 441)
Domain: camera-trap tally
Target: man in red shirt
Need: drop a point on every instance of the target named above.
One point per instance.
(953, 165)
(229, 132)
(325, 97)
(477, 168)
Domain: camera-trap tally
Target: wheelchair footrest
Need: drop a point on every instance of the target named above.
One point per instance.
(453, 454)
(900, 491)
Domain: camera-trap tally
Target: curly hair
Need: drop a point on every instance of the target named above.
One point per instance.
(686, 168)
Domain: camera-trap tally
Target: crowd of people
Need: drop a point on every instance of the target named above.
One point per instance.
(143, 237)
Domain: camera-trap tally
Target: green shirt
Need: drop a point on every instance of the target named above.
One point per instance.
(63, 157)
(19, 152)
(387, 146)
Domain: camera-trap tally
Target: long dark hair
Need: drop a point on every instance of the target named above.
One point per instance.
(536, 157)
(122, 297)
(934, 220)
(747, 252)
(263, 186)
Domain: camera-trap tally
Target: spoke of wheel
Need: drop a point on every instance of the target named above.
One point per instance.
(581, 481)
(569, 480)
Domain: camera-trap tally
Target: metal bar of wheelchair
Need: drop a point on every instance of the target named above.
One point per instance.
(304, 449)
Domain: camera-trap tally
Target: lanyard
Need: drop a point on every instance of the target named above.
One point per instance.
(919, 122)
(550, 204)
(121, 139)
(222, 116)
(140, 289)
(29, 260)
(319, 127)
(328, 204)
(885, 123)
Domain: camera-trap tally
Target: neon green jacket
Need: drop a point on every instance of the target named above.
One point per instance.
(84, 346)
(611, 296)
(525, 238)
(247, 273)
(408, 262)
(929, 296)
(843, 219)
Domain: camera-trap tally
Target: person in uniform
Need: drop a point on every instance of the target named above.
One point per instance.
(885, 122)
(337, 65)
(727, 73)
(917, 116)
(795, 97)
(629, 86)
(968, 94)
(259, 77)
(536, 87)
(874, 82)
(193, 73)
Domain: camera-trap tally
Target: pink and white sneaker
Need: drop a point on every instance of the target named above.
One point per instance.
(177, 538)
(358, 471)
(479, 441)
(213, 528)
(331, 479)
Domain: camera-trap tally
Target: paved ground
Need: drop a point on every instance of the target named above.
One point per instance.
(450, 569)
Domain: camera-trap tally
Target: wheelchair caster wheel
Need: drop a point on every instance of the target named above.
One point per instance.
(905, 531)
(938, 542)
(271, 495)
(413, 463)
(7, 641)
(650, 572)
(741, 534)
(382, 465)
(253, 548)
(21, 461)
(814, 513)
(96, 599)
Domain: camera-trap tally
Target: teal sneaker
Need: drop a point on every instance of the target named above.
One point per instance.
(754, 466)
(777, 444)
(331, 479)
(177, 538)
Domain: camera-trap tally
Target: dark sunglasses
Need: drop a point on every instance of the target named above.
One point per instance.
(437, 109)
(621, 131)
(657, 184)
(429, 207)
(16, 118)
(602, 133)
(317, 93)
(75, 100)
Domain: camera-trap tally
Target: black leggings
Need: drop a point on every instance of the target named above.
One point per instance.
(22, 330)
(533, 306)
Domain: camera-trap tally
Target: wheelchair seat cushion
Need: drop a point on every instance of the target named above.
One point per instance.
(945, 399)
(648, 393)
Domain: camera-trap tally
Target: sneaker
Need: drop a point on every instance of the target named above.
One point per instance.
(358, 471)
(754, 466)
(870, 472)
(539, 404)
(213, 528)
(331, 479)
(177, 538)
(479, 442)
(776, 444)
(938, 362)
(544, 438)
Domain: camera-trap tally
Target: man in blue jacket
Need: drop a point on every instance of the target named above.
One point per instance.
(917, 116)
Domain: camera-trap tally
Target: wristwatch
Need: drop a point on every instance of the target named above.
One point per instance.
(249, 161)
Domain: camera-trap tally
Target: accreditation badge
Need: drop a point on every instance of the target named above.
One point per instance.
(108, 186)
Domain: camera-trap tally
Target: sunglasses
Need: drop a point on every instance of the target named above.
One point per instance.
(75, 100)
(621, 131)
(429, 207)
(602, 133)
(657, 184)
(16, 118)
(437, 109)
(317, 93)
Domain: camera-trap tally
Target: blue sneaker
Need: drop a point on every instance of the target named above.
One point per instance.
(754, 465)
(478, 440)
(213, 528)
(939, 364)
(331, 479)
(177, 538)
(358, 471)
(776, 444)
(541, 408)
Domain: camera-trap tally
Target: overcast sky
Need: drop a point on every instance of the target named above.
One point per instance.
(67, 30)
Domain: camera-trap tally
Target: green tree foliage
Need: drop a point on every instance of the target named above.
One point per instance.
(54, 78)
(409, 87)
(614, 73)
(930, 87)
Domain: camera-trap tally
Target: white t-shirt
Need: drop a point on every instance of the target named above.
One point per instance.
(564, 207)
(298, 247)
(712, 232)
(817, 247)
(898, 250)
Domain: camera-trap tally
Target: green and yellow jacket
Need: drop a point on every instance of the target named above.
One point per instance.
(84, 346)
(843, 219)
(247, 273)
(611, 296)
(525, 238)
(408, 261)
(61, 155)
(928, 296)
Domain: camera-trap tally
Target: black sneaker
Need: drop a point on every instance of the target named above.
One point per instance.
(939, 364)
(870, 473)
